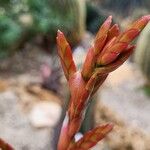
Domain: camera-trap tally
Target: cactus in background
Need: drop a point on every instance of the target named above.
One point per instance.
(94, 17)
(79, 19)
(142, 53)
(68, 15)
(73, 12)
(10, 34)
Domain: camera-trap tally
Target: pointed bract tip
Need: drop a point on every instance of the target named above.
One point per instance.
(141, 23)
(109, 19)
(59, 33)
(116, 26)
(145, 19)
(146, 16)
(108, 127)
(111, 126)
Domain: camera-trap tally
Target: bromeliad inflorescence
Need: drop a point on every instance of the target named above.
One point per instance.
(110, 49)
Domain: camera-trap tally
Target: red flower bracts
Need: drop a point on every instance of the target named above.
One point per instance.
(110, 49)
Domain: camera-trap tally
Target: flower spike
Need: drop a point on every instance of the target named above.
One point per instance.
(110, 54)
(109, 51)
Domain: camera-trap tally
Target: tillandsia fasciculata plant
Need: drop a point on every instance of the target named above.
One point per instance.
(110, 49)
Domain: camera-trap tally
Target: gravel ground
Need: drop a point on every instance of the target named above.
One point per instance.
(123, 93)
(15, 127)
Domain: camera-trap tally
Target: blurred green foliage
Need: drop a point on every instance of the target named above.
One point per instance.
(146, 89)
(10, 28)
(48, 16)
(10, 33)
(51, 15)
(20, 20)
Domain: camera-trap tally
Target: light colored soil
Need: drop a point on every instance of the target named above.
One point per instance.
(123, 93)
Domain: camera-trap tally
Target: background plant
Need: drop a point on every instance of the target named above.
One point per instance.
(142, 52)
(22, 20)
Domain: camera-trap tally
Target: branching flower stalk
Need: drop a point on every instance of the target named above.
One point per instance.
(110, 49)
